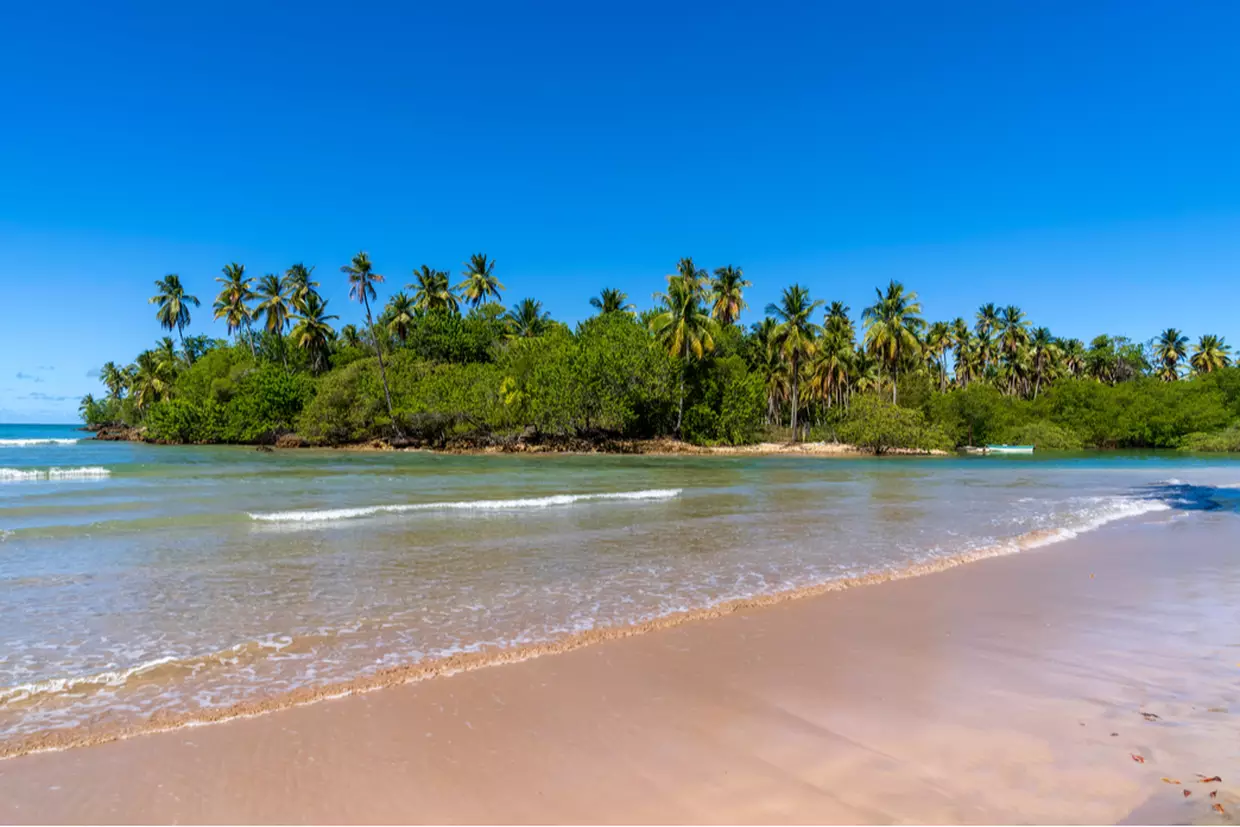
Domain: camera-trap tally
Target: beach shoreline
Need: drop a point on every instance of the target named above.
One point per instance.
(984, 693)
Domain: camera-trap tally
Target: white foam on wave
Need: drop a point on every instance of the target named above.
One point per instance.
(93, 472)
(332, 514)
(116, 677)
(32, 441)
(1109, 510)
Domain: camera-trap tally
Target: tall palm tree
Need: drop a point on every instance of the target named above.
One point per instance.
(152, 380)
(399, 314)
(1072, 353)
(727, 294)
(964, 347)
(771, 366)
(891, 327)
(692, 277)
(113, 379)
(794, 336)
(350, 335)
(231, 304)
(1211, 353)
(480, 283)
(526, 319)
(431, 291)
(312, 333)
(362, 280)
(174, 304)
(612, 300)
(987, 323)
(683, 327)
(275, 307)
(299, 283)
(1170, 349)
(1044, 353)
(938, 342)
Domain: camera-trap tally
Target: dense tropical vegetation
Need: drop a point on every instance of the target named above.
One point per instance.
(437, 363)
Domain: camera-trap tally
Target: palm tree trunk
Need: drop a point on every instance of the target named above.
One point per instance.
(895, 381)
(796, 387)
(387, 394)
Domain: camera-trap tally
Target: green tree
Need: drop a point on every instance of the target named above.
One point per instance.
(682, 326)
(938, 341)
(1170, 349)
(232, 303)
(312, 333)
(275, 308)
(431, 292)
(892, 325)
(1211, 353)
(727, 294)
(113, 379)
(399, 316)
(611, 300)
(794, 337)
(527, 319)
(362, 280)
(480, 283)
(174, 304)
(299, 283)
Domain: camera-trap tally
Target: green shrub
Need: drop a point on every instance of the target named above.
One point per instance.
(1044, 436)
(876, 425)
(1227, 440)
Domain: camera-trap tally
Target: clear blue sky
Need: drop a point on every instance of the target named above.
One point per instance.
(1078, 159)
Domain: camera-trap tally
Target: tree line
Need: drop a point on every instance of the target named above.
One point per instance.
(449, 360)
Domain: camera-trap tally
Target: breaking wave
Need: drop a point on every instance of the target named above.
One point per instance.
(32, 441)
(332, 514)
(93, 472)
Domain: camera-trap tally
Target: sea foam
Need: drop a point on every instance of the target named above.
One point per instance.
(32, 441)
(93, 472)
(332, 514)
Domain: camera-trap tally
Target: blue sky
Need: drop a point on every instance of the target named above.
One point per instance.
(1077, 159)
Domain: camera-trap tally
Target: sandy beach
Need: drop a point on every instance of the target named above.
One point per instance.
(1091, 681)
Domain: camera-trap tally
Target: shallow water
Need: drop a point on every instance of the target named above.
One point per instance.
(140, 581)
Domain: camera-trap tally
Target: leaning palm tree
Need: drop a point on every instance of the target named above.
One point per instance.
(683, 327)
(480, 284)
(362, 281)
(794, 336)
(1211, 353)
(1170, 349)
(611, 300)
(312, 333)
(174, 303)
(399, 314)
(727, 294)
(891, 327)
(526, 319)
(231, 304)
(431, 292)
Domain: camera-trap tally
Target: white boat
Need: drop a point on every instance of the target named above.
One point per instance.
(1009, 449)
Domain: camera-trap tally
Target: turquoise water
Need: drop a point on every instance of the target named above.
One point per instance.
(140, 580)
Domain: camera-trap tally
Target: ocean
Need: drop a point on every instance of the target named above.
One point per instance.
(149, 587)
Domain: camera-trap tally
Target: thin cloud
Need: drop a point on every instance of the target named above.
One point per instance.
(28, 377)
(93, 373)
(44, 397)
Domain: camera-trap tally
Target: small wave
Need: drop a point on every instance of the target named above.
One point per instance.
(93, 472)
(27, 443)
(331, 514)
(113, 678)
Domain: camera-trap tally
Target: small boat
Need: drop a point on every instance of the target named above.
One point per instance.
(1009, 449)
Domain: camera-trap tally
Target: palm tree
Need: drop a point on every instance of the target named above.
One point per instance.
(274, 307)
(1211, 353)
(399, 314)
(771, 366)
(611, 300)
(152, 379)
(299, 284)
(1072, 352)
(794, 336)
(231, 303)
(350, 335)
(174, 302)
(431, 292)
(113, 379)
(683, 328)
(362, 281)
(526, 319)
(480, 283)
(891, 327)
(987, 323)
(693, 277)
(1044, 353)
(84, 407)
(1170, 348)
(938, 341)
(312, 333)
(964, 346)
(727, 294)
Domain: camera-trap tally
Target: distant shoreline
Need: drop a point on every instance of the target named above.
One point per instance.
(643, 447)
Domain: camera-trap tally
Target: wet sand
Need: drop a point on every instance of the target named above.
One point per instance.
(1008, 690)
